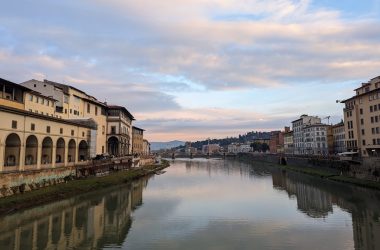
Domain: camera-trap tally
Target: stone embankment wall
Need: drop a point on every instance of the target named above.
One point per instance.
(368, 170)
(23, 181)
(17, 182)
(147, 160)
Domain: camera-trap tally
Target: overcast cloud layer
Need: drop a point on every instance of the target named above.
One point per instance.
(193, 69)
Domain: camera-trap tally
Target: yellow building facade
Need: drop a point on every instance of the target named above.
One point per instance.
(31, 140)
(362, 119)
(73, 103)
(137, 140)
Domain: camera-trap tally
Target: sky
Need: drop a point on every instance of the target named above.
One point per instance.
(194, 69)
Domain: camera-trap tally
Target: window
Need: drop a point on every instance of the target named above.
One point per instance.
(103, 130)
(372, 120)
(374, 141)
(363, 142)
(72, 132)
(373, 130)
(88, 108)
(31, 98)
(376, 119)
(61, 130)
(96, 110)
(37, 99)
(370, 108)
(47, 129)
(65, 111)
(113, 130)
(32, 127)
(48, 103)
(82, 134)
(375, 108)
(377, 130)
(363, 132)
(14, 124)
(362, 121)
(71, 111)
(361, 111)
(42, 100)
(102, 149)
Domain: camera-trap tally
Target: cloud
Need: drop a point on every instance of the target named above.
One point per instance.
(145, 54)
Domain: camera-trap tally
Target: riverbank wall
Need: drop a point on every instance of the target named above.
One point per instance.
(16, 182)
(75, 187)
(368, 171)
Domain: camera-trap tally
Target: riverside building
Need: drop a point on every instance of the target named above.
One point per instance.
(315, 137)
(137, 139)
(32, 134)
(362, 119)
(75, 104)
(339, 136)
(119, 131)
(298, 132)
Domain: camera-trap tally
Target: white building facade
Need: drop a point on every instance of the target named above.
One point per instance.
(315, 139)
(298, 132)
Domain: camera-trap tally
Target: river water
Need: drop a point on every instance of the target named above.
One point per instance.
(205, 204)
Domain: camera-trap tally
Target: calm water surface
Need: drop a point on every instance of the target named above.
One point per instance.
(205, 204)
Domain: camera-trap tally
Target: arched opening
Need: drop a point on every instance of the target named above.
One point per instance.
(47, 151)
(12, 151)
(31, 150)
(113, 146)
(72, 151)
(60, 152)
(83, 151)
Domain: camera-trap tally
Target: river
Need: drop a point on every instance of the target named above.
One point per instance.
(205, 204)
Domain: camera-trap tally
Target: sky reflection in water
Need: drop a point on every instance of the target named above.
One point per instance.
(205, 204)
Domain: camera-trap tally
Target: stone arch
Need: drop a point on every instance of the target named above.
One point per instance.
(60, 151)
(83, 151)
(12, 150)
(72, 151)
(47, 151)
(113, 146)
(31, 150)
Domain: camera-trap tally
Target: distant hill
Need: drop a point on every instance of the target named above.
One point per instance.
(166, 145)
(245, 138)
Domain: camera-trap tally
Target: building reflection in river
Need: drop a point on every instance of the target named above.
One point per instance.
(102, 220)
(317, 198)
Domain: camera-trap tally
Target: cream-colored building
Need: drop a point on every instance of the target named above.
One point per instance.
(362, 119)
(72, 103)
(137, 140)
(288, 143)
(339, 136)
(31, 135)
(146, 147)
(119, 131)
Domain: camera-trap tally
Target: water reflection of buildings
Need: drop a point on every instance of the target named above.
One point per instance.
(316, 198)
(311, 200)
(87, 222)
